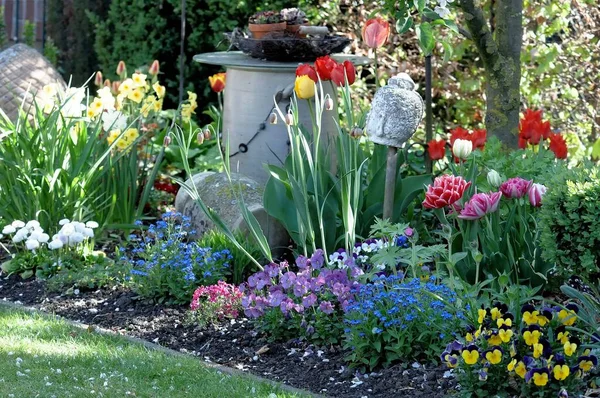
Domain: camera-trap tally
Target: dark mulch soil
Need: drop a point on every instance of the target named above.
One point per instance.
(237, 345)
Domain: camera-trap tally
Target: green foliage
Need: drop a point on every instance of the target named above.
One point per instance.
(91, 272)
(3, 38)
(241, 264)
(29, 33)
(141, 31)
(570, 224)
(51, 52)
(26, 263)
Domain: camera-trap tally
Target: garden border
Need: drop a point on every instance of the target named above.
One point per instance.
(157, 347)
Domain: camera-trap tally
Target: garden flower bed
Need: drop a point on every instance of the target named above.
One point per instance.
(234, 344)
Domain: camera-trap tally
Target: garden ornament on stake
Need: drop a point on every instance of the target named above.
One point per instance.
(395, 114)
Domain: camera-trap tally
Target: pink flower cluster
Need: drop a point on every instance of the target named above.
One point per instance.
(312, 286)
(224, 299)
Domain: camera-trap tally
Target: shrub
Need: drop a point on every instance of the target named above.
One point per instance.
(213, 304)
(304, 302)
(570, 225)
(536, 353)
(166, 268)
(392, 319)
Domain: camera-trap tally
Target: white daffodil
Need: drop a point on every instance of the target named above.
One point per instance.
(114, 120)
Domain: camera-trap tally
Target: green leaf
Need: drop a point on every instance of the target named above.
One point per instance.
(596, 150)
(404, 24)
(448, 50)
(426, 40)
(420, 5)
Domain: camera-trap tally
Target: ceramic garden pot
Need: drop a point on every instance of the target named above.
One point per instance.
(261, 30)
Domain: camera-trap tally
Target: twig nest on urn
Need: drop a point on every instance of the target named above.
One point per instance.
(396, 112)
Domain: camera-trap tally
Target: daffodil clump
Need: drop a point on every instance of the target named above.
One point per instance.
(188, 108)
(538, 353)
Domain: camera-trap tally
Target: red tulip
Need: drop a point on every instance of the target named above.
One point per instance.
(350, 72)
(307, 70)
(445, 191)
(532, 129)
(375, 32)
(217, 81)
(478, 138)
(558, 145)
(436, 149)
(458, 133)
(324, 66)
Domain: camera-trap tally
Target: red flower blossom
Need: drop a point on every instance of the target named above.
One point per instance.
(340, 71)
(375, 32)
(532, 129)
(558, 145)
(436, 149)
(350, 71)
(307, 70)
(324, 66)
(478, 138)
(445, 191)
(458, 133)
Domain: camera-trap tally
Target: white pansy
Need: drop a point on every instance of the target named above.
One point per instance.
(55, 244)
(32, 244)
(9, 229)
(64, 221)
(91, 224)
(18, 224)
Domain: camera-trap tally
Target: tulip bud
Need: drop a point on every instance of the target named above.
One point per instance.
(200, 138)
(206, 134)
(154, 68)
(289, 119)
(462, 148)
(107, 83)
(98, 79)
(494, 179)
(273, 118)
(167, 141)
(356, 132)
(328, 103)
(536, 192)
(115, 87)
(121, 68)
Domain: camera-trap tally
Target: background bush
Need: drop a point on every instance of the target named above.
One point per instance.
(570, 223)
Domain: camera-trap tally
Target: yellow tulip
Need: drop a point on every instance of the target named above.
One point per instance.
(304, 87)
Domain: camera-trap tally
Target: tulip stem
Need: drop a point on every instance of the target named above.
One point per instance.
(390, 183)
(376, 70)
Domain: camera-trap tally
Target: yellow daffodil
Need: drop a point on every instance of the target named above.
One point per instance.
(112, 136)
(521, 369)
(530, 318)
(540, 379)
(481, 315)
(157, 105)
(159, 90)
(192, 97)
(470, 357)
(131, 134)
(567, 317)
(136, 95)
(304, 87)
(494, 356)
(531, 337)
(538, 349)
(570, 348)
(511, 365)
(505, 335)
(122, 145)
(561, 372)
(126, 87)
(139, 80)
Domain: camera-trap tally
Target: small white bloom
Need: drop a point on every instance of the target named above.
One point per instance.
(88, 232)
(443, 12)
(462, 148)
(33, 224)
(20, 235)
(79, 226)
(43, 238)
(55, 244)
(75, 238)
(1, 236)
(18, 224)
(32, 244)
(64, 221)
(91, 224)
(9, 229)
(67, 229)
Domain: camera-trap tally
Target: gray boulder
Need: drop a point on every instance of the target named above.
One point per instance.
(216, 192)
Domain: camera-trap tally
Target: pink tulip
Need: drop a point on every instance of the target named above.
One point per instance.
(445, 191)
(536, 192)
(480, 204)
(515, 187)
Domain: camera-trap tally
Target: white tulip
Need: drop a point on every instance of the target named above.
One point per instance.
(91, 224)
(462, 148)
(55, 244)
(18, 224)
(494, 179)
(64, 221)
(9, 229)
(32, 244)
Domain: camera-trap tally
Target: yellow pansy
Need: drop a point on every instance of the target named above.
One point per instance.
(139, 80)
(501, 322)
(511, 365)
(495, 339)
(505, 335)
(481, 315)
(495, 313)
(131, 134)
(470, 357)
(478, 332)
(521, 369)
(304, 87)
(531, 337)
(542, 320)
(568, 317)
(530, 317)
(494, 356)
(538, 349)
(159, 90)
(570, 348)
(449, 362)
(126, 87)
(540, 379)
(136, 95)
(586, 365)
(561, 372)
(469, 337)
(563, 337)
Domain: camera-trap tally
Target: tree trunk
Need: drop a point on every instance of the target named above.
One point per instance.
(501, 56)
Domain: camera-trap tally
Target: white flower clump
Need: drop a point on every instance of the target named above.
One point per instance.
(32, 234)
(442, 8)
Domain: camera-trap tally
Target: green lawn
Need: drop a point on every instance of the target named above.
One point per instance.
(42, 356)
